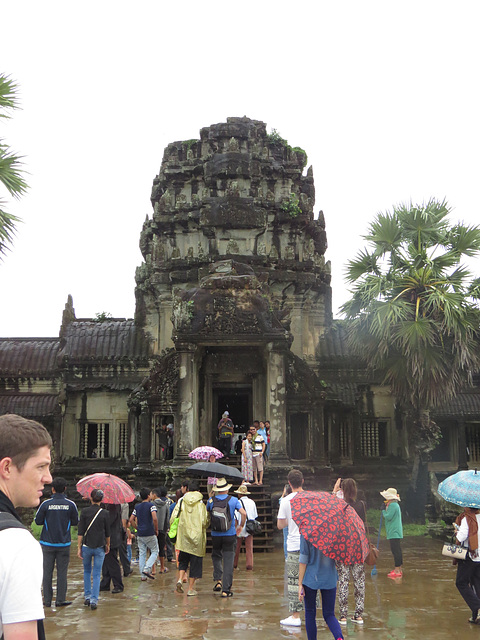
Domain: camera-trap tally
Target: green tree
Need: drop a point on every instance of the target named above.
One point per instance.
(413, 316)
(11, 173)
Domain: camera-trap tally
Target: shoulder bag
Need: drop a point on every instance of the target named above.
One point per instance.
(373, 552)
(172, 532)
(454, 550)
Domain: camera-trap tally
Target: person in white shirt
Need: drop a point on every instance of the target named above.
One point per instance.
(251, 509)
(284, 519)
(257, 459)
(24, 471)
(468, 570)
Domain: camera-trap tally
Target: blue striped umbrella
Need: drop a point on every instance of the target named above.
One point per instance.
(463, 488)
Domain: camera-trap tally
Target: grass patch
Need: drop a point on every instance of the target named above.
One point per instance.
(36, 530)
(409, 529)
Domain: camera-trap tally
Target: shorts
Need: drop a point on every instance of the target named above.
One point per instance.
(196, 564)
(162, 539)
(257, 462)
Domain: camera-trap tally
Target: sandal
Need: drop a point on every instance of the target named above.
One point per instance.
(227, 594)
(218, 586)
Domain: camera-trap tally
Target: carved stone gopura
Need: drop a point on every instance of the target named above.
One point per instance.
(236, 193)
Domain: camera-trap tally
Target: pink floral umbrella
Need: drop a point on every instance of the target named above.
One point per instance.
(204, 453)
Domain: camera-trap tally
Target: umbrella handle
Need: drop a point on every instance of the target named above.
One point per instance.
(379, 529)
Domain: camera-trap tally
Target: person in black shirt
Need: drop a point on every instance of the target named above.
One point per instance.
(93, 544)
(111, 565)
(57, 515)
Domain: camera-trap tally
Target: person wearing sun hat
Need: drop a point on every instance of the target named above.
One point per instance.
(393, 525)
(223, 542)
(251, 508)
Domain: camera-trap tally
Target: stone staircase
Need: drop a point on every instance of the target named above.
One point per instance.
(262, 497)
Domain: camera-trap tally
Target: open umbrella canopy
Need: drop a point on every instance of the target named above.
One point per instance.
(115, 490)
(204, 453)
(462, 488)
(331, 525)
(214, 469)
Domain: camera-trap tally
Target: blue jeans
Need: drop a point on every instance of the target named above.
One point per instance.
(91, 591)
(144, 543)
(328, 609)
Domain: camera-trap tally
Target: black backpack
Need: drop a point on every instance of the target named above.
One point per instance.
(220, 514)
(7, 521)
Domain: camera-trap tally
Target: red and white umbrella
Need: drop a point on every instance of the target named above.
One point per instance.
(115, 490)
(204, 453)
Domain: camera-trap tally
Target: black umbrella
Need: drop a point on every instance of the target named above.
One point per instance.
(214, 469)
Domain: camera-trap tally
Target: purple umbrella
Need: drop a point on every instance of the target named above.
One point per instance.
(204, 453)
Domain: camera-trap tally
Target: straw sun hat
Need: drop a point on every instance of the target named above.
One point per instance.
(221, 485)
(390, 494)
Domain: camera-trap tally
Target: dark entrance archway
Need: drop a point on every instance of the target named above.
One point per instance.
(238, 402)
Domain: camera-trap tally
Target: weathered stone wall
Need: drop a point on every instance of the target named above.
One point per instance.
(242, 194)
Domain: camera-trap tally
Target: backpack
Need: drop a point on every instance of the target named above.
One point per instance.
(8, 521)
(220, 514)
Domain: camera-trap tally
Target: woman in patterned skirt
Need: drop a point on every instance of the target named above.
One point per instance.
(247, 463)
(349, 489)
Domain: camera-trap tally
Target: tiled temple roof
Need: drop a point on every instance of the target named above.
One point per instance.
(466, 405)
(29, 405)
(112, 339)
(344, 392)
(28, 356)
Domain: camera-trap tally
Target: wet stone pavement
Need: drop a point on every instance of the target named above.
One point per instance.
(423, 604)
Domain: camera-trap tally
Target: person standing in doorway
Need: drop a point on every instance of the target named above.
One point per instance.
(93, 544)
(284, 519)
(57, 515)
(225, 434)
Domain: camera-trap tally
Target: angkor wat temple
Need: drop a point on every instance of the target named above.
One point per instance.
(233, 311)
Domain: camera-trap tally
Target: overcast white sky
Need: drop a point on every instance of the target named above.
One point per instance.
(382, 95)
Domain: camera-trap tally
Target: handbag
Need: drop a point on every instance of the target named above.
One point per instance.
(253, 527)
(373, 552)
(453, 550)
(172, 532)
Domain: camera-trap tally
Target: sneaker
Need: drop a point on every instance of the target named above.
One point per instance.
(343, 621)
(357, 619)
(93, 606)
(192, 592)
(86, 602)
(291, 622)
(179, 587)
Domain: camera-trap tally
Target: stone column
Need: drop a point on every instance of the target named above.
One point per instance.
(186, 429)
(145, 453)
(462, 446)
(276, 401)
(317, 453)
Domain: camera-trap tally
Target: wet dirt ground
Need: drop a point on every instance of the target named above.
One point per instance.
(423, 604)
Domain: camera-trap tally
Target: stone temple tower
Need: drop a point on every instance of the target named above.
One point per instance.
(234, 291)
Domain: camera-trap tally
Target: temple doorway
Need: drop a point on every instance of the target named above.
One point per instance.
(238, 402)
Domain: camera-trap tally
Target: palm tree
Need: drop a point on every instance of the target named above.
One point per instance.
(11, 174)
(413, 316)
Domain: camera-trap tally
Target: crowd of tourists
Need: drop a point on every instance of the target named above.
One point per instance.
(173, 529)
